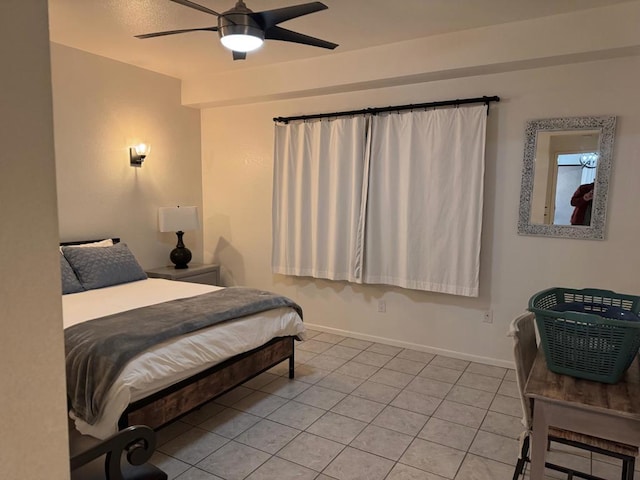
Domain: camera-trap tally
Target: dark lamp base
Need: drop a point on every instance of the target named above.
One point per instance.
(181, 255)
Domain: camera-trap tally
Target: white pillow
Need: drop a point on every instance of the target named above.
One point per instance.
(102, 243)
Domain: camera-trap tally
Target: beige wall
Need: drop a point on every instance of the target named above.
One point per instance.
(592, 34)
(33, 444)
(101, 107)
(237, 170)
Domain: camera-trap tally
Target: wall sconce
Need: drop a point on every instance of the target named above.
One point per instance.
(138, 153)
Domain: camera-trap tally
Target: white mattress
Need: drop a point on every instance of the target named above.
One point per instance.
(174, 360)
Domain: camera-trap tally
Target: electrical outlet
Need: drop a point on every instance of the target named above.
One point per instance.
(382, 306)
(487, 316)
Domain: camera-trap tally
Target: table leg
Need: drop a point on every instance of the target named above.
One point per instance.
(539, 440)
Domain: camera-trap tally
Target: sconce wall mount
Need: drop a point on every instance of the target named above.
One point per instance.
(138, 153)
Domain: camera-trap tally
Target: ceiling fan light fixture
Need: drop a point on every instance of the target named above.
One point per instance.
(242, 30)
(241, 42)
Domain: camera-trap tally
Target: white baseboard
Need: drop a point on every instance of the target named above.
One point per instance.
(414, 346)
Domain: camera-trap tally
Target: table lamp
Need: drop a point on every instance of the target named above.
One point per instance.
(178, 219)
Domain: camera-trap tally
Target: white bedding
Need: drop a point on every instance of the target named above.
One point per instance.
(174, 360)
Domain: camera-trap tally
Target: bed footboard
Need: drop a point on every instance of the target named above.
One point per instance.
(179, 399)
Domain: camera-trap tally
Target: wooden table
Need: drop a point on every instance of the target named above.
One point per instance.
(605, 411)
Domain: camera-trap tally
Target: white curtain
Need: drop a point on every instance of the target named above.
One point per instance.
(424, 209)
(394, 199)
(318, 198)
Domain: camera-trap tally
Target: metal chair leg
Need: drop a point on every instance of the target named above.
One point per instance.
(524, 456)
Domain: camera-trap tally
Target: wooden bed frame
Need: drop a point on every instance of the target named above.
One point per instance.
(181, 398)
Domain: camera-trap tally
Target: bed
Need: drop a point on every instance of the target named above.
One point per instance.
(179, 374)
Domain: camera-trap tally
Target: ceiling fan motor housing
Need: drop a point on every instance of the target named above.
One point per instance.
(239, 24)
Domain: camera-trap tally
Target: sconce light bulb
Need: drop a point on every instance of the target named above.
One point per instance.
(142, 149)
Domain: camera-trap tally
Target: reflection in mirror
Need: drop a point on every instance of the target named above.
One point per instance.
(565, 177)
(564, 161)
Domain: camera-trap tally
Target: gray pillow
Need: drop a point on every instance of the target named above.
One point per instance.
(70, 283)
(98, 267)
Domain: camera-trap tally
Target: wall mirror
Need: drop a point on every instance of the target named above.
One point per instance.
(565, 177)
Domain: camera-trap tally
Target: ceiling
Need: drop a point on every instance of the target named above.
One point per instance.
(107, 28)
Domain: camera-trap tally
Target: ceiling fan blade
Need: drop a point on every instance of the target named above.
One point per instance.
(279, 33)
(173, 32)
(270, 18)
(239, 55)
(188, 3)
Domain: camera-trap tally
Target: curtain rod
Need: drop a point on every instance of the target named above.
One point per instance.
(373, 111)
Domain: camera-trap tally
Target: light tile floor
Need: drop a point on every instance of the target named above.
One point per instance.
(361, 410)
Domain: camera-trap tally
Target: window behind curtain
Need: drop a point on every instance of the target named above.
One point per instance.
(394, 199)
(424, 210)
(317, 198)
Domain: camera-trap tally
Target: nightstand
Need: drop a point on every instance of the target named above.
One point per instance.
(196, 273)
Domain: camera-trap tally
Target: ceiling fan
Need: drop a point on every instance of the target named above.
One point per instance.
(242, 30)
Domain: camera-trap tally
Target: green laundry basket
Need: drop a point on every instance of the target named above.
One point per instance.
(579, 339)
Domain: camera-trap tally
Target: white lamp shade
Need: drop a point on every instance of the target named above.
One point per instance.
(176, 219)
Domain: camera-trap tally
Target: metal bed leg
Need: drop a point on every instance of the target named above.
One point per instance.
(292, 365)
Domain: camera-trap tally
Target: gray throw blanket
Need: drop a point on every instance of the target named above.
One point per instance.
(98, 350)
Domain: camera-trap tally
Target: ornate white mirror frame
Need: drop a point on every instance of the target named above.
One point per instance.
(604, 127)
